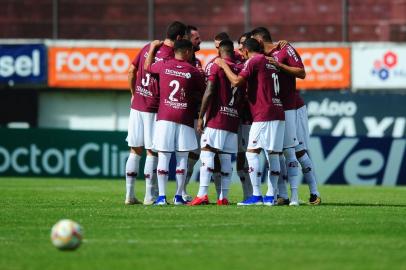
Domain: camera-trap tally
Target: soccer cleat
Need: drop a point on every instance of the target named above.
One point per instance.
(178, 200)
(253, 200)
(314, 199)
(149, 201)
(187, 197)
(282, 201)
(294, 203)
(224, 201)
(269, 200)
(131, 201)
(161, 201)
(200, 201)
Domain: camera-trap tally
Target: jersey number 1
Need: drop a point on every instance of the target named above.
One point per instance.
(275, 83)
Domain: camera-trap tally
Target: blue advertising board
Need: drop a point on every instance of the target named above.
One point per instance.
(359, 160)
(23, 64)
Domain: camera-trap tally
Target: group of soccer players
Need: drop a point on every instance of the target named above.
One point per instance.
(245, 103)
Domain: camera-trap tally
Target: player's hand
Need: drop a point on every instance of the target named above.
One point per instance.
(156, 43)
(220, 62)
(273, 61)
(200, 126)
(282, 43)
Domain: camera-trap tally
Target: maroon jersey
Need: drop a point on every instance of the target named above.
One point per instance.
(146, 91)
(288, 56)
(263, 88)
(222, 112)
(180, 84)
(299, 100)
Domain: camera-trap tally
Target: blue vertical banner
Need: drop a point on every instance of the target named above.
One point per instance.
(23, 64)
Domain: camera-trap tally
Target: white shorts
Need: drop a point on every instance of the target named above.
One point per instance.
(302, 129)
(141, 127)
(243, 135)
(223, 140)
(197, 150)
(267, 135)
(289, 137)
(174, 137)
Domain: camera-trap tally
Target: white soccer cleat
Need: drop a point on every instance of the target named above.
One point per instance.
(149, 201)
(294, 203)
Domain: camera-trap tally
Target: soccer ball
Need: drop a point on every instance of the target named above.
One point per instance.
(66, 234)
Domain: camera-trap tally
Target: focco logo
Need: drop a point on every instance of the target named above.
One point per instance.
(105, 62)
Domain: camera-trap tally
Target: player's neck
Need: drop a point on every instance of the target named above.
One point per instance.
(269, 47)
(252, 54)
(180, 57)
(169, 42)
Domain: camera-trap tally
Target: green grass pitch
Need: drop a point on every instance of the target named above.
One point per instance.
(354, 228)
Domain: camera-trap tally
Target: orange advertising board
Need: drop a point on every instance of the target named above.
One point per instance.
(206, 55)
(89, 67)
(326, 68)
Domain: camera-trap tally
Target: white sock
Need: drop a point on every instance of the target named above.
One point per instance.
(206, 171)
(150, 167)
(308, 172)
(190, 166)
(226, 171)
(181, 168)
(255, 175)
(283, 177)
(163, 171)
(273, 174)
(131, 173)
(293, 172)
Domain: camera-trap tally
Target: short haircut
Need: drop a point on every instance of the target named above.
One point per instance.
(221, 36)
(263, 33)
(252, 45)
(189, 29)
(227, 46)
(175, 29)
(246, 35)
(182, 45)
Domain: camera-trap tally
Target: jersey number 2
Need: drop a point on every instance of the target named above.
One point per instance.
(175, 85)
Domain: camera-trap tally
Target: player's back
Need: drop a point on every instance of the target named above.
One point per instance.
(180, 85)
(146, 94)
(263, 89)
(288, 56)
(222, 112)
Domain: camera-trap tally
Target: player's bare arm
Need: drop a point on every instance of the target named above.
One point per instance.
(132, 71)
(235, 80)
(294, 71)
(208, 94)
(151, 53)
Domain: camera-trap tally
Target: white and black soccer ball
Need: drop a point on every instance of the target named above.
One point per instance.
(66, 234)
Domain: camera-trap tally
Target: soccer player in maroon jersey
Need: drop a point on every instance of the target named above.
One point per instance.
(194, 37)
(243, 130)
(288, 60)
(144, 107)
(268, 117)
(219, 132)
(180, 85)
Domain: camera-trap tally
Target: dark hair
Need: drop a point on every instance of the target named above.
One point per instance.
(221, 36)
(227, 46)
(252, 45)
(182, 45)
(175, 29)
(189, 29)
(263, 33)
(246, 35)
